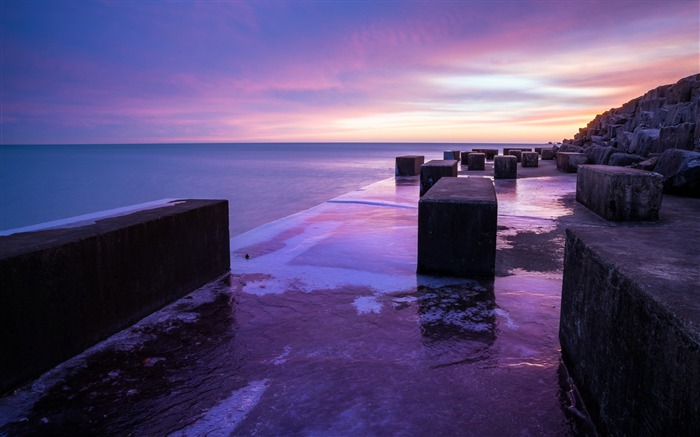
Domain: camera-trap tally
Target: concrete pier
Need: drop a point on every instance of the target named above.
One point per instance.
(505, 167)
(620, 193)
(432, 171)
(568, 162)
(630, 326)
(65, 289)
(457, 228)
(476, 161)
(409, 165)
(529, 159)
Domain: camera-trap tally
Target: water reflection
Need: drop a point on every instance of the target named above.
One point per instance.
(457, 321)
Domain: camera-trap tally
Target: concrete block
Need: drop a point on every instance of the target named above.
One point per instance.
(547, 154)
(476, 161)
(490, 153)
(433, 170)
(65, 289)
(630, 327)
(620, 193)
(505, 167)
(451, 154)
(530, 159)
(457, 228)
(409, 165)
(517, 153)
(568, 162)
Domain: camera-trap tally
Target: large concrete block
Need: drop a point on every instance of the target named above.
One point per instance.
(457, 228)
(529, 159)
(547, 154)
(476, 161)
(490, 153)
(65, 289)
(505, 167)
(629, 327)
(409, 165)
(517, 153)
(568, 162)
(433, 170)
(620, 193)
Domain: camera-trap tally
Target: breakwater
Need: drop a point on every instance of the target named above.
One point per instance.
(67, 288)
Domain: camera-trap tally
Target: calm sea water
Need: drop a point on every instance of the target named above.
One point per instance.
(262, 182)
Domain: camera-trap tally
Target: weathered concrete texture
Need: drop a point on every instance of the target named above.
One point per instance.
(432, 171)
(630, 327)
(490, 153)
(530, 159)
(568, 162)
(619, 193)
(65, 289)
(476, 161)
(599, 154)
(505, 167)
(409, 165)
(681, 172)
(516, 153)
(547, 154)
(457, 228)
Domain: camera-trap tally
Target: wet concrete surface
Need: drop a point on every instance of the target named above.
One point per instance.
(324, 328)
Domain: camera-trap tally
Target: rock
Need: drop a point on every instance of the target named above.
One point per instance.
(570, 148)
(681, 136)
(599, 154)
(649, 164)
(644, 140)
(624, 140)
(681, 172)
(624, 159)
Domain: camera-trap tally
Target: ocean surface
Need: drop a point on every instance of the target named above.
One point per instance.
(262, 181)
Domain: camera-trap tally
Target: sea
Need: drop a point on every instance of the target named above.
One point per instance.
(263, 182)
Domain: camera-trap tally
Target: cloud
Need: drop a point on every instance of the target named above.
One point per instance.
(325, 71)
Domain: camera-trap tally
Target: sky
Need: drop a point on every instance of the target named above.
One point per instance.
(126, 71)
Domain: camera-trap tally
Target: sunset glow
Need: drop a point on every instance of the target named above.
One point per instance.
(235, 71)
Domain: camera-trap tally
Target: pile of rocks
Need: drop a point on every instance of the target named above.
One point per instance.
(658, 131)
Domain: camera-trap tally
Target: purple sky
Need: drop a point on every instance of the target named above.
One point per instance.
(224, 71)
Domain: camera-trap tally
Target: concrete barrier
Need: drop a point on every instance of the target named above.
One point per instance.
(476, 161)
(620, 193)
(529, 159)
(630, 327)
(457, 228)
(517, 153)
(547, 154)
(409, 165)
(505, 167)
(568, 162)
(65, 289)
(433, 170)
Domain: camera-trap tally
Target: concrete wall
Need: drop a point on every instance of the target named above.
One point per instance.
(63, 290)
(630, 327)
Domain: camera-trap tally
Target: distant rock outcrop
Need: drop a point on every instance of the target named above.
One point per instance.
(664, 123)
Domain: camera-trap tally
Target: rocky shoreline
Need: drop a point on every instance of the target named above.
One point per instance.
(659, 131)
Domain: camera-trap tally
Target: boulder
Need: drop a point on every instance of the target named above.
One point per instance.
(570, 148)
(681, 136)
(649, 164)
(624, 159)
(681, 172)
(644, 140)
(599, 154)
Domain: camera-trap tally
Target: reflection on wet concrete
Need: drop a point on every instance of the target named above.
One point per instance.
(325, 329)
